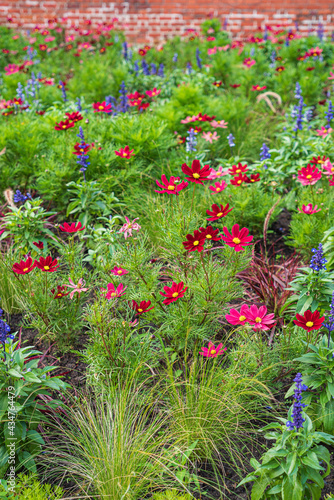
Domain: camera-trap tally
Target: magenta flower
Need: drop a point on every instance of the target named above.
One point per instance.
(219, 124)
(113, 292)
(129, 227)
(170, 186)
(309, 175)
(328, 167)
(118, 271)
(218, 187)
(215, 174)
(238, 238)
(79, 287)
(248, 62)
(309, 209)
(209, 136)
(238, 318)
(173, 293)
(211, 351)
(258, 318)
(324, 131)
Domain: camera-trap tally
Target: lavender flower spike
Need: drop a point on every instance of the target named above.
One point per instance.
(297, 412)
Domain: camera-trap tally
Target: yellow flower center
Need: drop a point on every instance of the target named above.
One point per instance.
(309, 177)
(64, 126)
(239, 182)
(258, 320)
(101, 107)
(195, 243)
(196, 176)
(209, 236)
(123, 154)
(46, 268)
(171, 188)
(242, 318)
(220, 214)
(332, 169)
(309, 324)
(218, 174)
(218, 190)
(113, 294)
(238, 170)
(119, 272)
(213, 351)
(236, 241)
(252, 180)
(175, 294)
(140, 310)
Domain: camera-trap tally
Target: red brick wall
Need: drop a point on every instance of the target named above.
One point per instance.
(155, 19)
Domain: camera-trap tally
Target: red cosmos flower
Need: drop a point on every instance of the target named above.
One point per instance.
(218, 212)
(318, 160)
(310, 68)
(143, 105)
(194, 242)
(309, 175)
(209, 233)
(211, 351)
(64, 125)
(72, 228)
(6, 113)
(136, 96)
(279, 69)
(252, 178)
(125, 153)
(204, 118)
(24, 266)
(74, 117)
(238, 318)
(118, 271)
(259, 319)
(169, 186)
(152, 93)
(238, 239)
(102, 50)
(237, 169)
(43, 47)
(238, 180)
(218, 84)
(196, 173)
(142, 307)
(39, 244)
(81, 149)
(47, 264)
(314, 52)
(101, 107)
(173, 293)
(142, 52)
(310, 321)
(257, 88)
(309, 209)
(218, 187)
(59, 293)
(235, 85)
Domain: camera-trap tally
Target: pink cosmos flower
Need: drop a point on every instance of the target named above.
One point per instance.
(248, 62)
(236, 317)
(309, 209)
(49, 39)
(258, 88)
(152, 93)
(125, 152)
(170, 186)
(211, 351)
(118, 271)
(323, 132)
(219, 124)
(209, 136)
(331, 77)
(189, 119)
(258, 318)
(309, 175)
(129, 227)
(328, 167)
(216, 174)
(218, 187)
(11, 69)
(238, 239)
(113, 292)
(212, 51)
(79, 287)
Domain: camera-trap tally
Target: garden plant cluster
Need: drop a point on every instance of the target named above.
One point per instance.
(167, 226)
